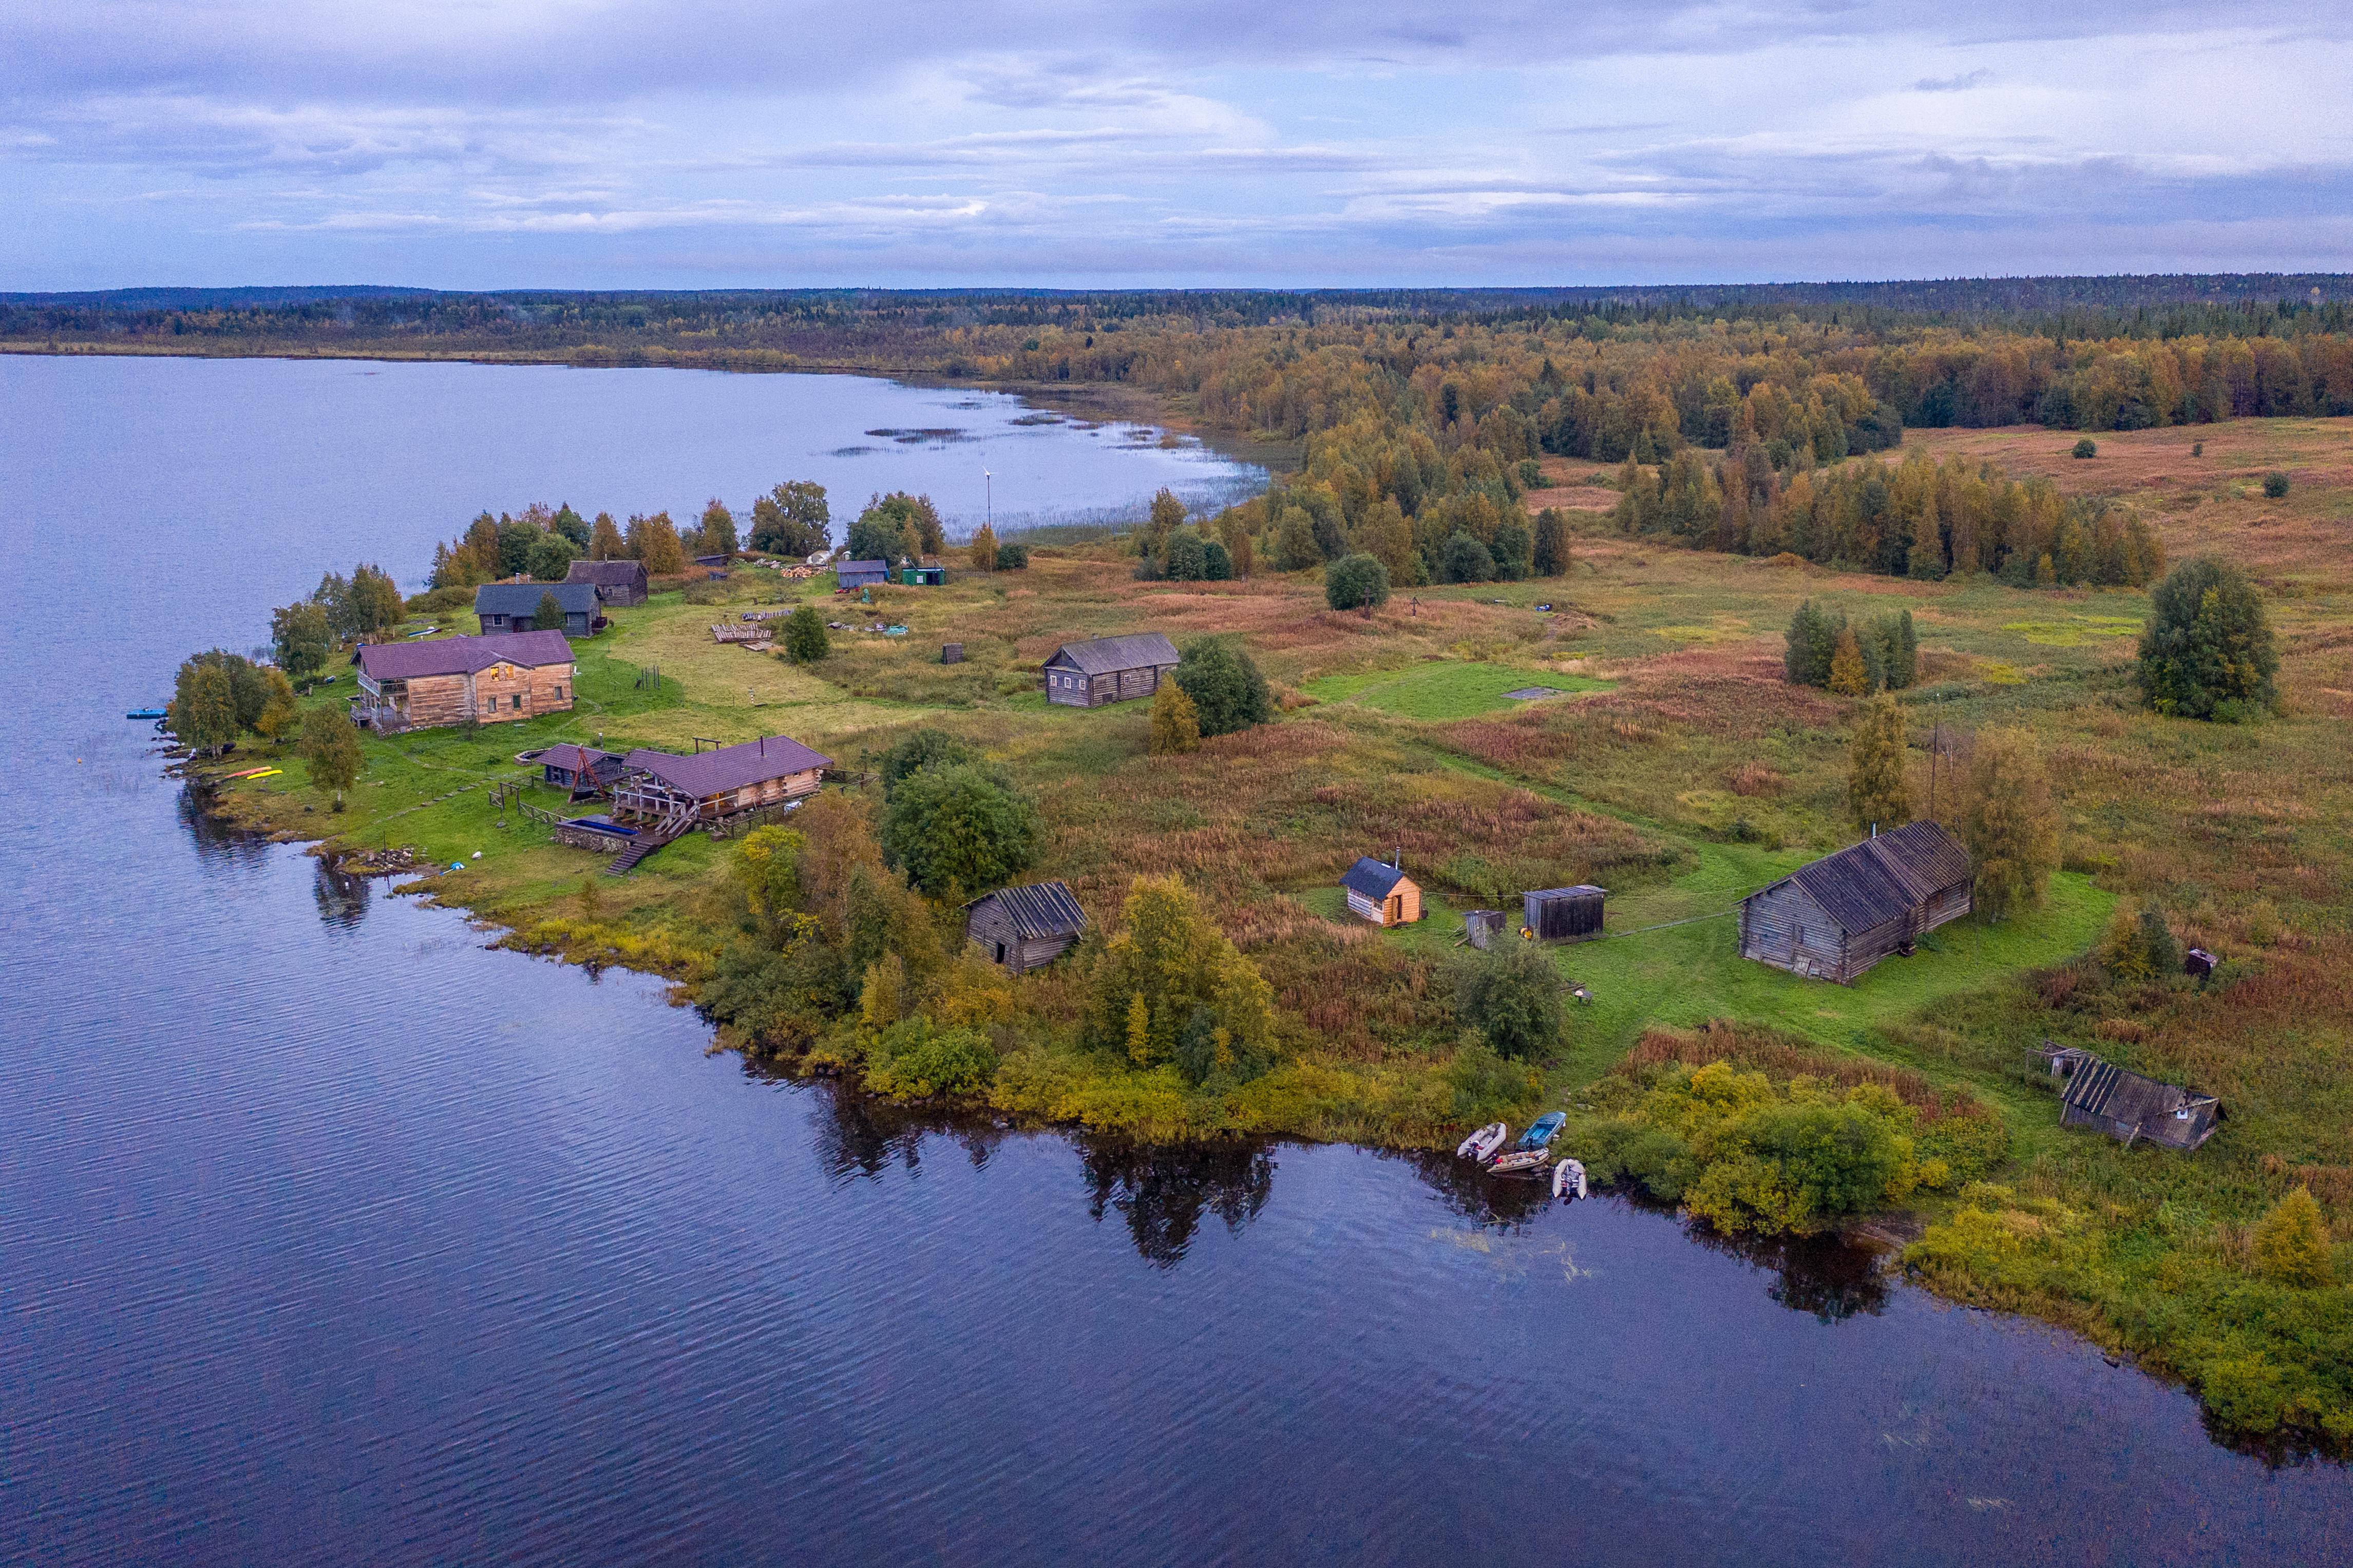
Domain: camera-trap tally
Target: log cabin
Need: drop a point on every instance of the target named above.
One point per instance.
(513, 606)
(1108, 670)
(617, 583)
(1021, 928)
(452, 681)
(1836, 918)
(1378, 891)
(665, 787)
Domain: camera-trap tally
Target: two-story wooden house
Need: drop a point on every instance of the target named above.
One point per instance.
(450, 680)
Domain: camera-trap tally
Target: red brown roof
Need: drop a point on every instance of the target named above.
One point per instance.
(461, 654)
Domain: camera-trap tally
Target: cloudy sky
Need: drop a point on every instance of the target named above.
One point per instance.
(688, 143)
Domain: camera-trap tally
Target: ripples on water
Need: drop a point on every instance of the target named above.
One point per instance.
(329, 1235)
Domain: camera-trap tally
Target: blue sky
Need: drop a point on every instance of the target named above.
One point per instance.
(605, 144)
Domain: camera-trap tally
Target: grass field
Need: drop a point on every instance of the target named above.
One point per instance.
(1681, 771)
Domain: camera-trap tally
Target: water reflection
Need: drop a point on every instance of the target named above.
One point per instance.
(1831, 1279)
(218, 842)
(343, 899)
(1163, 1192)
(1503, 1203)
(861, 1136)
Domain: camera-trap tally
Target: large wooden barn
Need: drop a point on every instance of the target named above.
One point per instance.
(1022, 928)
(661, 787)
(617, 582)
(1836, 918)
(1108, 670)
(489, 679)
(513, 606)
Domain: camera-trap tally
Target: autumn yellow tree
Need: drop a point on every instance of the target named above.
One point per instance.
(2292, 1242)
(1166, 975)
(1849, 678)
(2009, 823)
(983, 549)
(1176, 722)
(1876, 790)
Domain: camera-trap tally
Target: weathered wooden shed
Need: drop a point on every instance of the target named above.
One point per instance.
(616, 582)
(861, 574)
(1108, 670)
(1836, 918)
(2100, 1095)
(1024, 927)
(1557, 914)
(1380, 892)
(1482, 927)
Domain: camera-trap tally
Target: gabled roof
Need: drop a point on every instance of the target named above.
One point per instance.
(607, 573)
(865, 566)
(460, 655)
(1037, 910)
(521, 599)
(1371, 877)
(2099, 1090)
(1109, 655)
(1877, 880)
(730, 767)
(574, 758)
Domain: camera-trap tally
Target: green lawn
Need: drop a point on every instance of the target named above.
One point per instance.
(1444, 689)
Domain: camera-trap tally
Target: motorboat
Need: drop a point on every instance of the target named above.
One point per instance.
(1568, 1180)
(1482, 1144)
(1532, 1150)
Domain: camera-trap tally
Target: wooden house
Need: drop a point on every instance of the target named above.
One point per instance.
(450, 680)
(1558, 914)
(514, 607)
(1108, 670)
(2098, 1094)
(578, 768)
(1022, 928)
(849, 575)
(1378, 891)
(617, 583)
(1838, 916)
(665, 787)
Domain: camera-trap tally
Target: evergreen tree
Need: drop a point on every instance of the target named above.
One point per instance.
(1876, 790)
(2206, 651)
(1809, 644)
(2009, 823)
(1185, 556)
(1552, 556)
(1175, 723)
(2291, 1242)
(549, 616)
(804, 638)
(1513, 552)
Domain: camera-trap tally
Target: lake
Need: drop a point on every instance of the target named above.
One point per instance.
(329, 1235)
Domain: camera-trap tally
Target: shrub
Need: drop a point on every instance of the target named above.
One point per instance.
(1176, 724)
(1511, 995)
(1531, 474)
(1012, 557)
(2291, 1242)
(1465, 560)
(924, 748)
(1800, 1168)
(804, 638)
(1552, 556)
(1228, 691)
(1356, 582)
(2206, 651)
(916, 1059)
(2276, 484)
(958, 829)
(2088, 448)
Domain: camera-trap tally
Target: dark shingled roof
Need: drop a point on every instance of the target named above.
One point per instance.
(2125, 1104)
(521, 599)
(460, 655)
(856, 568)
(730, 767)
(1371, 877)
(1109, 655)
(1877, 880)
(607, 573)
(1039, 910)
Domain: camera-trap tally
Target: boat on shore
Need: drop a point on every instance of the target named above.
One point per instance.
(1569, 1181)
(146, 713)
(1533, 1149)
(1482, 1144)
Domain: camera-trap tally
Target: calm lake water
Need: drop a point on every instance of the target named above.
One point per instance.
(329, 1235)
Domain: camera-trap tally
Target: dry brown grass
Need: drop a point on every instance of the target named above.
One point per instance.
(1780, 1057)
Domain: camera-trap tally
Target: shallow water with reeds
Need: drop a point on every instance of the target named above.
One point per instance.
(328, 1235)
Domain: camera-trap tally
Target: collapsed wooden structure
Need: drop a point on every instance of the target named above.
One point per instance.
(1836, 918)
(2100, 1095)
(1021, 928)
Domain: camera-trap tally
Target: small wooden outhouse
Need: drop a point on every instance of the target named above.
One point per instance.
(1022, 928)
(1380, 892)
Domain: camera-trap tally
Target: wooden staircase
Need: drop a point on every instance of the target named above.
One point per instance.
(651, 837)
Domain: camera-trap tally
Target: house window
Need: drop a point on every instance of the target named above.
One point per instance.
(516, 703)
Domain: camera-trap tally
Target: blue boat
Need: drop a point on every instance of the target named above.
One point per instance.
(1529, 1153)
(146, 713)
